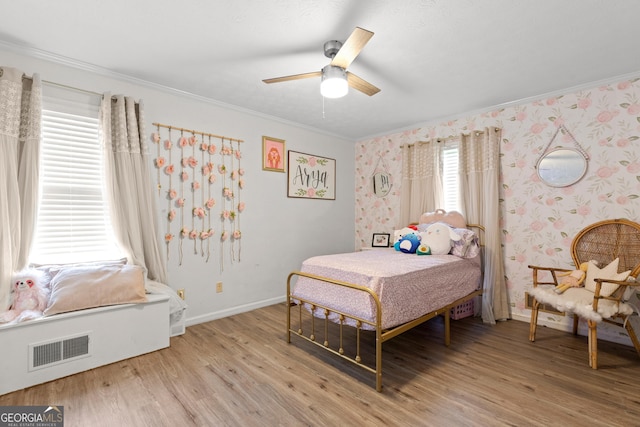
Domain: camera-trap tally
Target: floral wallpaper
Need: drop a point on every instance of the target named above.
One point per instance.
(538, 221)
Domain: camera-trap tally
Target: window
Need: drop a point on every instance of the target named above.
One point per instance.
(450, 177)
(73, 223)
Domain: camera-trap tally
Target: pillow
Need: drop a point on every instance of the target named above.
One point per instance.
(608, 272)
(467, 246)
(82, 287)
(53, 269)
(453, 218)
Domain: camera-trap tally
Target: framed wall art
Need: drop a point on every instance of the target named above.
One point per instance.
(380, 240)
(273, 154)
(310, 176)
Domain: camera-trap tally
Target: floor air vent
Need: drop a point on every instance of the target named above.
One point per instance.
(50, 353)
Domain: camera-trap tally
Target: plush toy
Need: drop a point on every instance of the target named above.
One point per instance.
(438, 237)
(399, 234)
(572, 279)
(29, 296)
(409, 243)
(423, 250)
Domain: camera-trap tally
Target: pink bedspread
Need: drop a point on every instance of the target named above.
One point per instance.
(408, 285)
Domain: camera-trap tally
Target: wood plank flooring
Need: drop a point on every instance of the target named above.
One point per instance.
(240, 371)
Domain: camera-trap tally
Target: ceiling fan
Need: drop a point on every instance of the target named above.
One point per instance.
(335, 77)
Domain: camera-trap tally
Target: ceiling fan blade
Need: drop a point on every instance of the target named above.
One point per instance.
(361, 85)
(294, 77)
(351, 48)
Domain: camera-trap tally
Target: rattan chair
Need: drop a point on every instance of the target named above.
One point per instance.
(600, 243)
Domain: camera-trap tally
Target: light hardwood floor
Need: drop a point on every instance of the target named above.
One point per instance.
(240, 371)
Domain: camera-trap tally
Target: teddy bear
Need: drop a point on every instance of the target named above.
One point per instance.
(572, 279)
(438, 237)
(29, 296)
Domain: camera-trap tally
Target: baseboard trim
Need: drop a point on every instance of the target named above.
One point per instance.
(190, 321)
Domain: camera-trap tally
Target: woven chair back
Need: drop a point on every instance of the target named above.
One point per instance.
(607, 240)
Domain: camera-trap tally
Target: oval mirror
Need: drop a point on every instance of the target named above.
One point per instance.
(562, 167)
(381, 184)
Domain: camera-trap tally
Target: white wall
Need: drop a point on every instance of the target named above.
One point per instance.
(277, 232)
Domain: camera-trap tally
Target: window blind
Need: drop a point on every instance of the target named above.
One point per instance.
(73, 223)
(450, 179)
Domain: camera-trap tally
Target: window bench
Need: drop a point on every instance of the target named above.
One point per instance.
(41, 350)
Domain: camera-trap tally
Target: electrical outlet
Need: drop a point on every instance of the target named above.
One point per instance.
(181, 293)
(219, 287)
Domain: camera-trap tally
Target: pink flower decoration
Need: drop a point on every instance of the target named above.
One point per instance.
(226, 191)
(199, 212)
(212, 179)
(241, 183)
(312, 161)
(204, 235)
(233, 174)
(168, 237)
(210, 203)
(224, 236)
(155, 137)
(193, 140)
(193, 234)
(311, 192)
(192, 162)
(171, 215)
(185, 162)
(167, 144)
(222, 169)
(204, 147)
(160, 162)
(241, 171)
(241, 206)
(226, 214)
(206, 170)
(584, 103)
(184, 231)
(238, 154)
(212, 149)
(606, 116)
(172, 194)
(180, 202)
(182, 142)
(169, 169)
(184, 176)
(195, 185)
(236, 234)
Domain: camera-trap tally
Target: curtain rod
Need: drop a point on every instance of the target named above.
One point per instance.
(447, 138)
(195, 132)
(77, 89)
(90, 92)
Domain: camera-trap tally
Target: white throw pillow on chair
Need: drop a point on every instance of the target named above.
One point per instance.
(608, 272)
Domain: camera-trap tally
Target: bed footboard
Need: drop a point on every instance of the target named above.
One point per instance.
(321, 313)
(337, 349)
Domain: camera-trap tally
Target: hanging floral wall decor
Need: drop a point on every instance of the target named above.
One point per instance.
(203, 171)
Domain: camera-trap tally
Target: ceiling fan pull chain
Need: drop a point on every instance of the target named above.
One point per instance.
(322, 107)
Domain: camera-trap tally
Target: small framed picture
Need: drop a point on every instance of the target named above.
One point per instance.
(380, 240)
(273, 154)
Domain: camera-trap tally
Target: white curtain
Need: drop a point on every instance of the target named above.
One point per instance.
(421, 189)
(128, 182)
(20, 115)
(479, 170)
(479, 182)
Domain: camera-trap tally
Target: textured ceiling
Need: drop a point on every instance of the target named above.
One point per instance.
(431, 59)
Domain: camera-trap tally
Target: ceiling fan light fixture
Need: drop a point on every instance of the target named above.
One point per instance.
(334, 82)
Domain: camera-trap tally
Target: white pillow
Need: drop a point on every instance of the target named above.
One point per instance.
(77, 288)
(608, 272)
